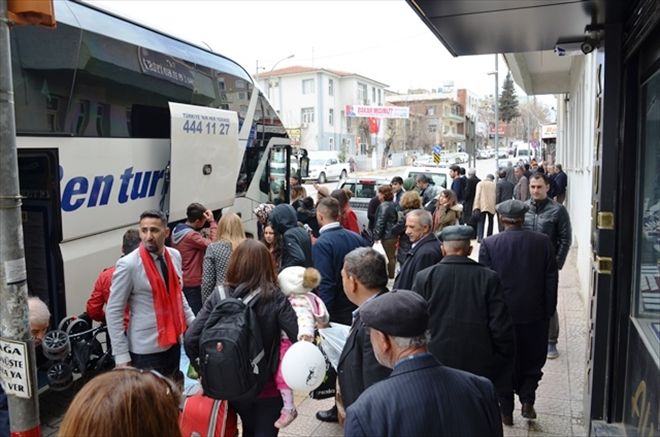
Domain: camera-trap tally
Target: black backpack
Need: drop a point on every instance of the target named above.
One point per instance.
(233, 365)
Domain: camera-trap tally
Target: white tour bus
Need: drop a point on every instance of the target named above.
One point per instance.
(112, 119)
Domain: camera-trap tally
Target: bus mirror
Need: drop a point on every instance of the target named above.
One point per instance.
(32, 12)
(304, 167)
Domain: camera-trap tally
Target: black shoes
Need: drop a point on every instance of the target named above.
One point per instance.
(329, 415)
(528, 411)
(507, 419)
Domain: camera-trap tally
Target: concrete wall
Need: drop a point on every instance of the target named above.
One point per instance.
(575, 151)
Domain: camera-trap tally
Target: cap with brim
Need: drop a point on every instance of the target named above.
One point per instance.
(513, 209)
(322, 191)
(399, 313)
(457, 233)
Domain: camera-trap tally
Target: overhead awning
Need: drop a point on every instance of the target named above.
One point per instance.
(524, 31)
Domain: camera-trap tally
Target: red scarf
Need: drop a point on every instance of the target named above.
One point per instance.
(168, 304)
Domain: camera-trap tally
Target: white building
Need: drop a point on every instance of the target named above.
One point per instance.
(314, 99)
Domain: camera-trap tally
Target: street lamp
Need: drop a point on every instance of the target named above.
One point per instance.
(271, 70)
(497, 117)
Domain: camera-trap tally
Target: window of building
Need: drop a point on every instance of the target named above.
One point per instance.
(433, 128)
(646, 303)
(307, 115)
(331, 117)
(331, 87)
(430, 110)
(362, 94)
(380, 97)
(373, 94)
(308, 86)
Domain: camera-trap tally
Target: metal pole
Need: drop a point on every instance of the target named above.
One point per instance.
(497, 118)
(14, 319)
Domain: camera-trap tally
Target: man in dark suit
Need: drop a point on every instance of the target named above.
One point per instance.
(421, 397)
(470, 325)
(526, 263)
(425, 250)
(364, 277)
(328, 254)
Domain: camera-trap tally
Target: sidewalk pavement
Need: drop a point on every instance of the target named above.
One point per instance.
(559, 402)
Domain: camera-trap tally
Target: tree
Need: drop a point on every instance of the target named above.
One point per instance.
(508, 103)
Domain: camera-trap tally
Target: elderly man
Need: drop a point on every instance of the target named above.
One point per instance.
(421, 397)
(364, 276)
(525, 261)
(425, 250)
(521, 189)
(149, 280)
(470, 324)
(550, 218)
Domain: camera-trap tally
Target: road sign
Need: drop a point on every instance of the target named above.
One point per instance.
(436, 157)
(437, 149)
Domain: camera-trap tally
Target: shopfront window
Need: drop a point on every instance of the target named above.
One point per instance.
(647, 291)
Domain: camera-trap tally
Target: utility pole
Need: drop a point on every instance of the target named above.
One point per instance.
(19, 363)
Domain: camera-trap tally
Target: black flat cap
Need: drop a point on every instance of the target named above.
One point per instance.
(457, 233)
(514, 209)
(400, 313)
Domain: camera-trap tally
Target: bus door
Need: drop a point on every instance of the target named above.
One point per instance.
(205, 158)
(39, 171)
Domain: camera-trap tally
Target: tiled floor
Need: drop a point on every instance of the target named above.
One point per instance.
(559, 397)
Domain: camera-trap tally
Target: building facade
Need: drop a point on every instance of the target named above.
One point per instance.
(311, 103)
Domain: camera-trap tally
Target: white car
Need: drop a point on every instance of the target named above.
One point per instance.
(325, 168)
(439, 176)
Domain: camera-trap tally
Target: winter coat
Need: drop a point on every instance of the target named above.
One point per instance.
(503, 190)
(386, 218)
(308, 217)
(470, 324)
(470, 193)
(404, 242)
(192, 246)
(521, 190)
(296, 243)
(485, 197)
(426, 253)
(551, 218)
(446, 216)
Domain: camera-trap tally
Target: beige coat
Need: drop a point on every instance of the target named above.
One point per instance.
(484, 200)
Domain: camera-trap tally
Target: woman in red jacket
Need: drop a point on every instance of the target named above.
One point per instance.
(347, 217)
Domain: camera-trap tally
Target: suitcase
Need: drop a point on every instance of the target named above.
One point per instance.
(206, 417)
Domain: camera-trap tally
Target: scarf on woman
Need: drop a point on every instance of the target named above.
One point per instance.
(168, 302)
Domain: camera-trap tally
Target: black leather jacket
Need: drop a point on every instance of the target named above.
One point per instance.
(551, 218)
(386, 218)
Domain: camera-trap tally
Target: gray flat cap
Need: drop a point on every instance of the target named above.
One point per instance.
(514, 209)
(457, 233)
(399, 313)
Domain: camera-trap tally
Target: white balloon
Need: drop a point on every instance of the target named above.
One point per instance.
(303, 366)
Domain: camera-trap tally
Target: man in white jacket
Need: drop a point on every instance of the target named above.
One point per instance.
(149, 281)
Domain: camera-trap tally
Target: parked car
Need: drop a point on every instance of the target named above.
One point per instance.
(461, 157)
(324, 166)
(483, 154)
(363, 189)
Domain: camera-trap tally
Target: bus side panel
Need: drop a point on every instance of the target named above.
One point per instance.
(83, 260)
(106, 183)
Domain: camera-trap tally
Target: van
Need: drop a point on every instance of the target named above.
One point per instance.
(523, 152)
(325, 165)
(438, 176)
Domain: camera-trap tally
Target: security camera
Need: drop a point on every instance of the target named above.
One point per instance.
(588, 46)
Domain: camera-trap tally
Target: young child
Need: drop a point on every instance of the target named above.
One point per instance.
(297, 283)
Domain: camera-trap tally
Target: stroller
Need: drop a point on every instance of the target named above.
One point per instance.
(76, 347)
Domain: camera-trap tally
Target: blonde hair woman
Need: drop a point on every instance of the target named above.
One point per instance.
(216, 259)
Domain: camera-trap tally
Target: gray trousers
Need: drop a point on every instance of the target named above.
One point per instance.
(553, 329)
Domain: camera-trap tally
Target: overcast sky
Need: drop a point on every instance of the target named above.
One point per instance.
(382, 40)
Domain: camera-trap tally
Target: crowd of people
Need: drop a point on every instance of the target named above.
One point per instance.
(444, 352)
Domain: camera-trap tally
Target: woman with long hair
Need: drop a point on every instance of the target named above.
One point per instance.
(216, 259)
(386, 218)
(124, 402)
(447, 211)
(347, 217)
(298, 193)
(273, 243)
(251, 269)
